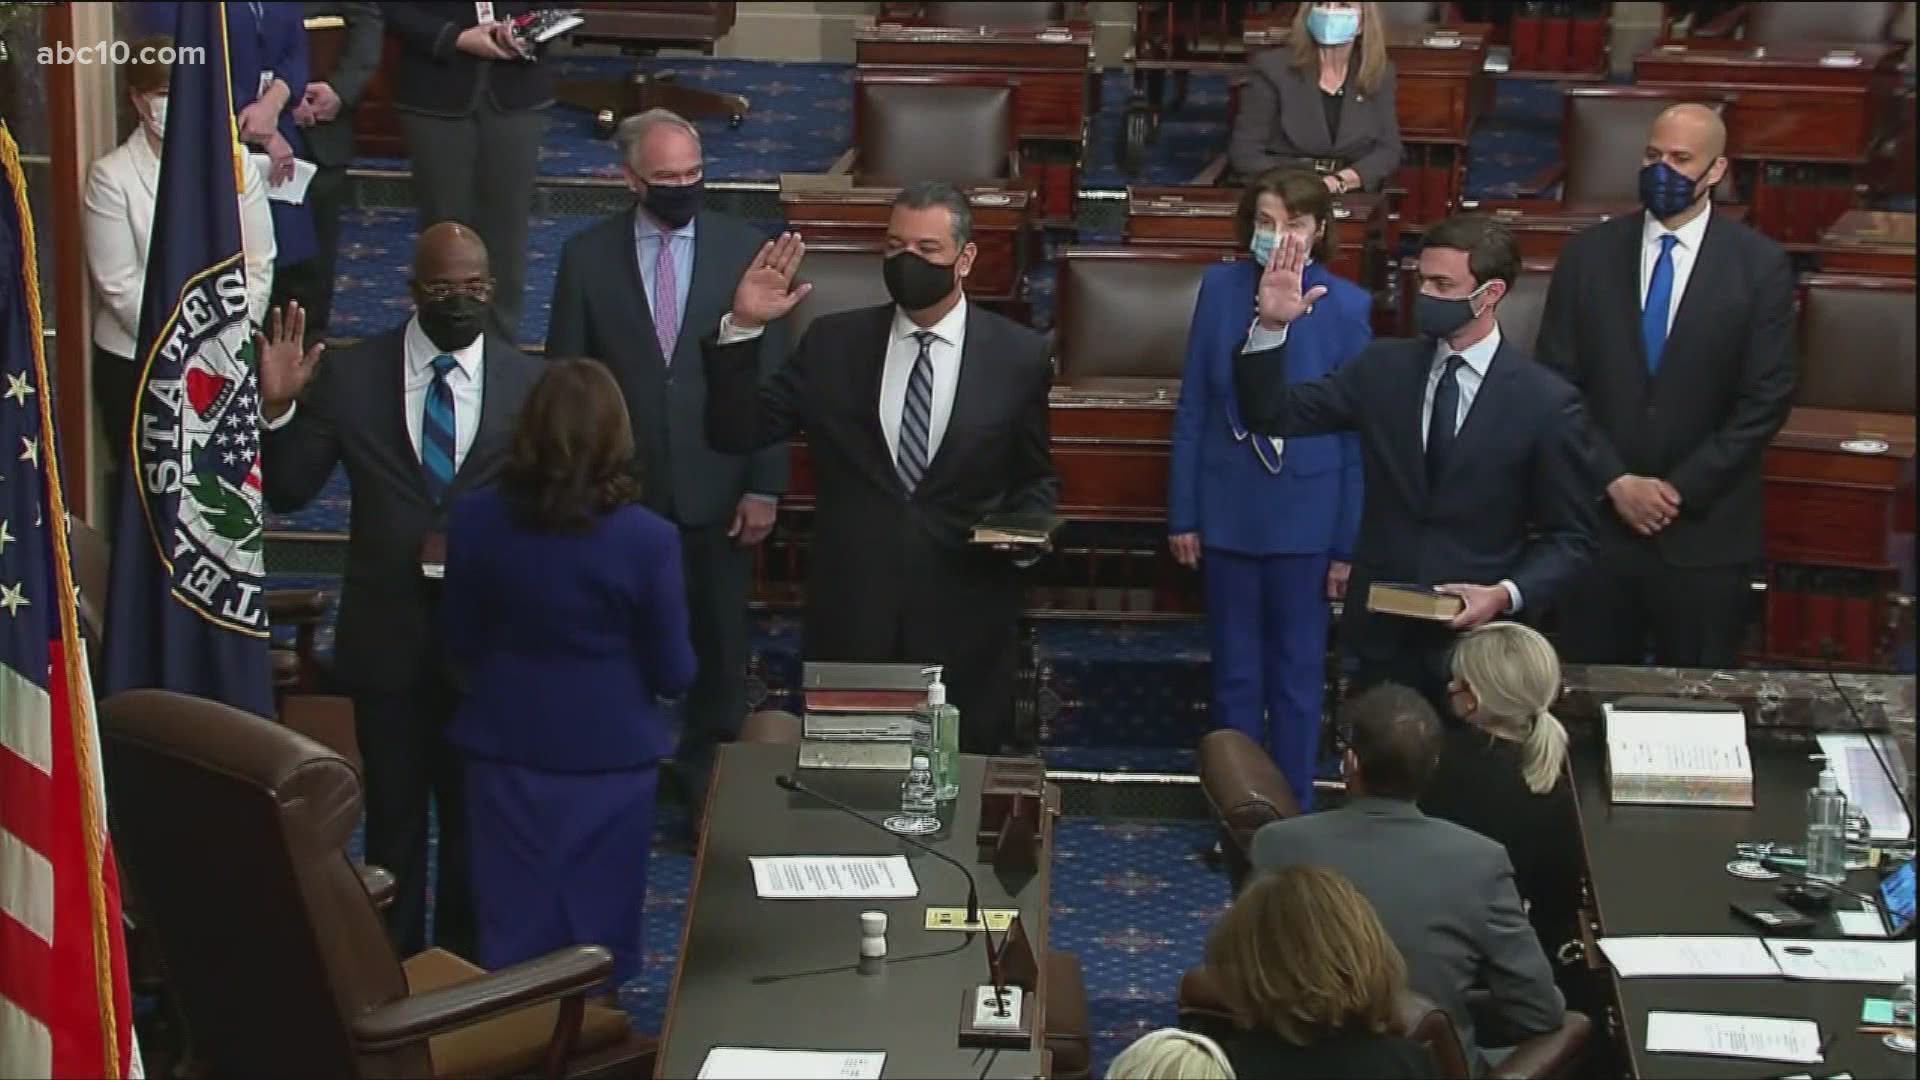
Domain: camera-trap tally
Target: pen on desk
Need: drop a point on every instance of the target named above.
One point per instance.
(1877, 1029)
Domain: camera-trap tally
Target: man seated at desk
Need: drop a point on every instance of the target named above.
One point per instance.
(1445, 893)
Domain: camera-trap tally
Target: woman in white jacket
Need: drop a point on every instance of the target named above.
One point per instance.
(121, 188)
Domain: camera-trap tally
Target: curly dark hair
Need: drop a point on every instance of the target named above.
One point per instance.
(572, 460)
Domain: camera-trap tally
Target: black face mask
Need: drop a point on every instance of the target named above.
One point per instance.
(913, 282)
(673, 205)
(1440, 317)
(453, 323)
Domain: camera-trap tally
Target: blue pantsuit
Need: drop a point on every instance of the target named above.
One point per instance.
(1270, 517)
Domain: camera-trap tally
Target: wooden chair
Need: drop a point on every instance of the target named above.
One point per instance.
(957, 128)
(642, 29)
(1856, 343)
(235, 829)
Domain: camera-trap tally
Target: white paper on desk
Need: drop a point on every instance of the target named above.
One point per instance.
(293, 190)
(1861, 924)
(833, 877)
(1843, 961)
(749, 1063)
(1704, 956)
(1866, 783)
(1765, 1038)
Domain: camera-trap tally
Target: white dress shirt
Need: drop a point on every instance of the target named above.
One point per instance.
(122, 186)
(1479, 357)
(1684, 255)
(466, 380)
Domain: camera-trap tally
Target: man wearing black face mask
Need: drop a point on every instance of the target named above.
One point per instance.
(1677, 325)
(923, 417)
(637, 291)
(417, 415)
(1473, 470)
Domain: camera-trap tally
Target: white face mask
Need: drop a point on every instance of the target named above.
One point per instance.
(157, 107)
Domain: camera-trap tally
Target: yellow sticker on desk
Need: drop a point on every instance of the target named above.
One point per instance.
(955, 918)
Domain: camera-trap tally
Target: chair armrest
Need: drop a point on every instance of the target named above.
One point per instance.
(563, 973)
(1536, 186)
(285, 665)
(379, 885)
(844, 163)
(286, 606)
(1212, 174)
(1554, 1054)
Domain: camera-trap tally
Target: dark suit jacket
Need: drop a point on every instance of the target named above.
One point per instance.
(352, 414)
(879, 556)
(332, 142)
(435, 78)
(600, 310)
(1514, 502)
(1446, 897)
(1339, 1057)
(1724, 387)
(567, 642)
(1283, 122)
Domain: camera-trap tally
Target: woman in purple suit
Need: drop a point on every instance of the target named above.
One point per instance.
(566, 621)
(1269, 523)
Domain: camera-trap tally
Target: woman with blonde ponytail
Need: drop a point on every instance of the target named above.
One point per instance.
(1502, 772)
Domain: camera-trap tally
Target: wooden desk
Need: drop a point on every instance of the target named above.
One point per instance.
(1199, 216)
(1542, 229)
(783, 973)
(1048, 69)
(1869, 242)
(1839, 532)
(1662, 870)
(1802, 123)
(1002, 220)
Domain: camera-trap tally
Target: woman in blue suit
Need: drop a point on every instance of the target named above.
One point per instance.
(1270, 523)
(566, 621)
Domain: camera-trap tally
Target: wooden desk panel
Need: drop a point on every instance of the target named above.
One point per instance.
(1829, 505)
(1869, 242)
(1001, 220)
(1789, 103)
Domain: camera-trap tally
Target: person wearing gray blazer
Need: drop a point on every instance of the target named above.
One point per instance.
(325, 112)
(1445, 894)
(1289, 118)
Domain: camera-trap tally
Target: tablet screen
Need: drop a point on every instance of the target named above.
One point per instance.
(1896, 899)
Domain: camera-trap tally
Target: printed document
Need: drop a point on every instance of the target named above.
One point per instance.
(1764, 1038)
(748, 1063)
(1693, 957)
(833, 877)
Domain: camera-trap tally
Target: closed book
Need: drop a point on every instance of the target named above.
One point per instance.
(1413, 601)
(1026, 529)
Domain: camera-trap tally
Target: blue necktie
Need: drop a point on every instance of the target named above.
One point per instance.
(436, 430)
(1441, 421)
(1653, 317)
(916, 419)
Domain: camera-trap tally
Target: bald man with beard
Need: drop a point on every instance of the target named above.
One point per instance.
(1677, 325)
(418, 415)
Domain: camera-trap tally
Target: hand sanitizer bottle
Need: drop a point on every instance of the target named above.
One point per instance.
(1826, 828)
(944, 722)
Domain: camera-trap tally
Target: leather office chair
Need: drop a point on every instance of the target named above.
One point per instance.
(916, 127)
(1245, 791)
(1856, 344)
(274, 948)
(1121, 313)
(1543, 1057)
(845, 274)
(1777, 22)
(642, 29)
(1519, 312)
(1603, 141)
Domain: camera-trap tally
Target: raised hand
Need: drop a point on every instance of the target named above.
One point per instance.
(766, 291)
(284, 368)
(1280, 298)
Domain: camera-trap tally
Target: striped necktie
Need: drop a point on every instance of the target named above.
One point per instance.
(916, 419)
(437, 430)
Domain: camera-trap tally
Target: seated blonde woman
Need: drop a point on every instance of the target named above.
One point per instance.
(1311, 977)
(1171, 1054)
(1502, 772)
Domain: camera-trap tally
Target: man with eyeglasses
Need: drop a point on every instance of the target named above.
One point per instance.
(417, 415)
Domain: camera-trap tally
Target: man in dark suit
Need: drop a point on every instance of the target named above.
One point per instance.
(473, 104)
(325, 113)
(418, 415)
(923, 417)
(1473, 462)
(1677, 325)
(638, 291)
(1445, 894)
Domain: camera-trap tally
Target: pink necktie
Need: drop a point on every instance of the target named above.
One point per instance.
(666, 299)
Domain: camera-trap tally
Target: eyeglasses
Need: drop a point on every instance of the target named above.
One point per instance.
(479, 290)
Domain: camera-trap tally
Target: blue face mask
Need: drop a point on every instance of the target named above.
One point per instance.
(1263, 246)
(1333, 26)
(1665, 190)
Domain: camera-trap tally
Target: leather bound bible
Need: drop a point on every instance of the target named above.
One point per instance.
(1678, 755)
(1023, 530)
(1413, 601)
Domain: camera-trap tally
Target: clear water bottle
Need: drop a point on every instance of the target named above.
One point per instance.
(1827, 830)
(1902, 1037)
(919, 809)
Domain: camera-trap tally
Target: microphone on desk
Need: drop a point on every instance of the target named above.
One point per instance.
(1811, 888)
(973, 887)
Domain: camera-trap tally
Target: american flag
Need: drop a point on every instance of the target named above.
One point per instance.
(64, 1008)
